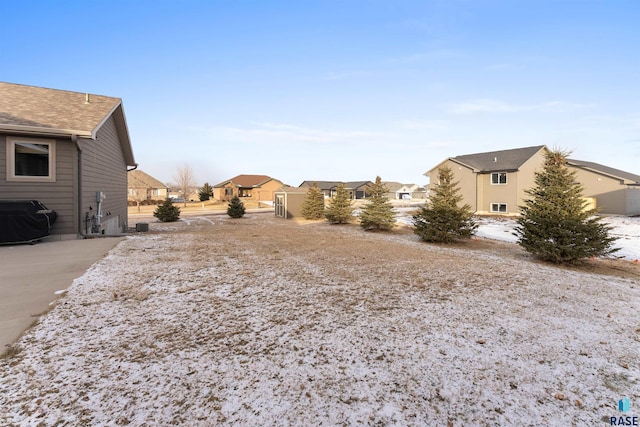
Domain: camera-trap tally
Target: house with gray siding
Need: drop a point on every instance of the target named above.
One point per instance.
(70, 151)
(357, 189)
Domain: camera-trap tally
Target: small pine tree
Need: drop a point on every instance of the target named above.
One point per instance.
(205, 192)
(339, 209)
(554, 224)
(378, 213)
(313, 205)
(167, 211)
(441, 220)
(236, 208)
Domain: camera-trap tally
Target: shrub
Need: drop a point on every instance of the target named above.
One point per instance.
(236, 208)
(167, 212)
(378, 213)
(554, 224)
(313, 206)
(441, 220)
(340, 209)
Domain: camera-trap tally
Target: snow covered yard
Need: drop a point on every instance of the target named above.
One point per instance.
(262, 321)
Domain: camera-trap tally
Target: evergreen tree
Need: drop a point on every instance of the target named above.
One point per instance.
(205, 192)
(339, 209)
(378, 213)
(554, 224)
(313, 206)
(236, 208)
(167, 211)
(441, 219)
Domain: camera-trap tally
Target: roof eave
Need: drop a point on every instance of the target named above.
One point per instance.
(453, 159)
(123, 132)
(623, 180)
(45, 131)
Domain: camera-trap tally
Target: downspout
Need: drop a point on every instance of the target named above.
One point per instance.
(74, 139)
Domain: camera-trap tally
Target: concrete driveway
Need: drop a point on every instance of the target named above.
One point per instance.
(31, 274)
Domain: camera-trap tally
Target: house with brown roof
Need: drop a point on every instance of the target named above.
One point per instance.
(143, 187)
(258, 188)
(70, 151)
(495, 182)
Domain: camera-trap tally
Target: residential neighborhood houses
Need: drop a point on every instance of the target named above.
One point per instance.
(72, 152)
(142, 187)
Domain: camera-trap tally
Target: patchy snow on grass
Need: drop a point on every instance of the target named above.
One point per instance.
(261, 321)
(626, 230)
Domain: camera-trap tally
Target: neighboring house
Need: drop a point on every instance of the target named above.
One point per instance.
(357, 189)
(70, 151)
(288, 201)
(616, 192)
(399, 191)
(144, 187)
(495, 182)
(247, 187)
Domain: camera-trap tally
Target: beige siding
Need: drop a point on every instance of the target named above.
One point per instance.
(104, 169)
(466, 179)
(497, 193)
(526, 175)
(218, 193)
(58, 195)
(292, 204)
(610, 194)
(513, 193)
(633, 201)
(266, 191)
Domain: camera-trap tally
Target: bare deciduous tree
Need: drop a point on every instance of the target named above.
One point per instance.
(184, 181)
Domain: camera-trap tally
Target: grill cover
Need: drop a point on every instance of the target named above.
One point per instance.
(24, 221)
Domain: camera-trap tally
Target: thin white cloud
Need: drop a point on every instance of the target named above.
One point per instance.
(498, 106)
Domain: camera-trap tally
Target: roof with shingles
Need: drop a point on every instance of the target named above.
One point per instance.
(53, 109)
(503, 160)
(393, 185)
(292, 190)
(140, 179)
(246, 181)
(328, 185)
(41, 111)
(629, 178)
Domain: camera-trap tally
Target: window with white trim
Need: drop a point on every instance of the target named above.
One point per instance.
(31, 160)
(499, 207)
(498, 178)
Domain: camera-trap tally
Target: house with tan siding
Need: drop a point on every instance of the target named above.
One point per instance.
(70, 151)
(495, 182)
(615, 192)
(143, 187)
(259, 188)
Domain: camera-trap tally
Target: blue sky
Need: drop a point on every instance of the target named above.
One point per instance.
(341, 90)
